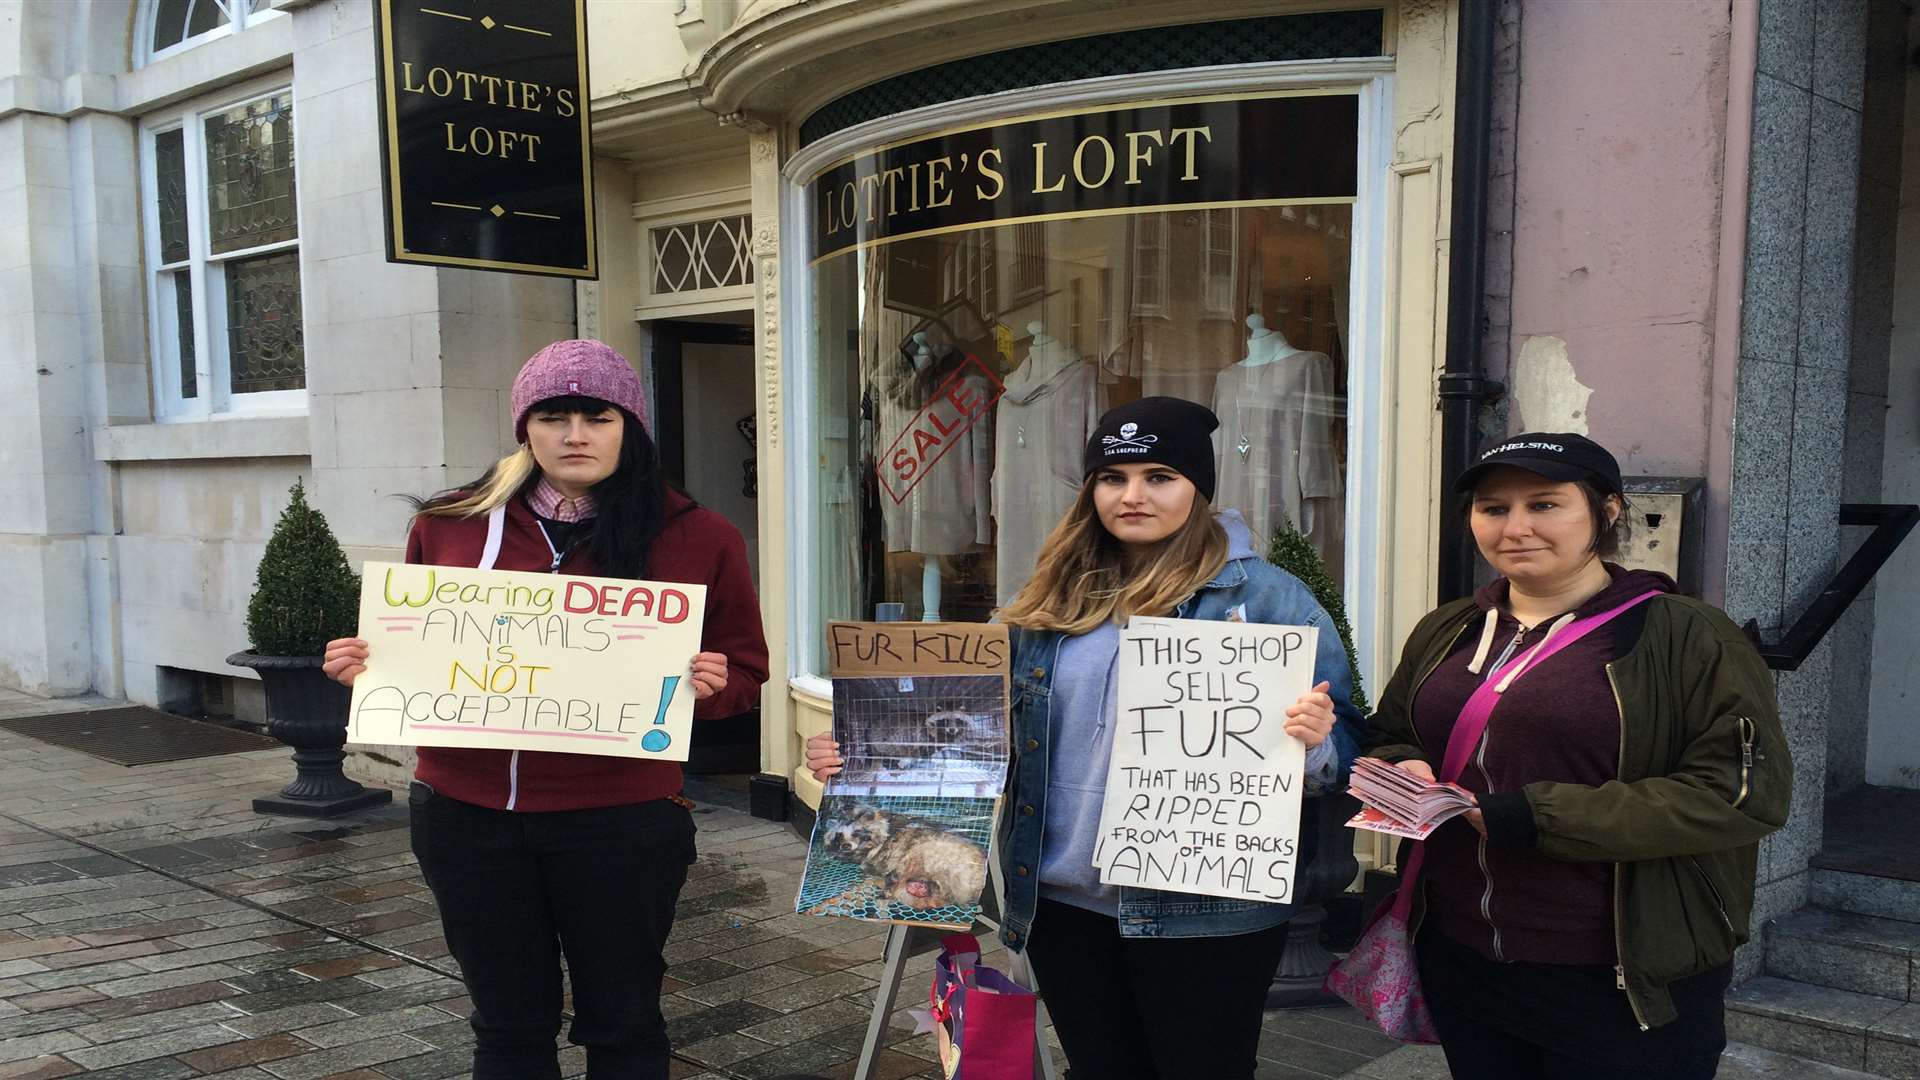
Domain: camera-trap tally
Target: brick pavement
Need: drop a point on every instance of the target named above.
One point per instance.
(153, 927)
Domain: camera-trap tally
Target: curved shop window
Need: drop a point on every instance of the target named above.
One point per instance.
(978, 297)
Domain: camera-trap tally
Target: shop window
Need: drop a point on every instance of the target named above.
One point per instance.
(959, 365)
(176, 25)
(223, 257)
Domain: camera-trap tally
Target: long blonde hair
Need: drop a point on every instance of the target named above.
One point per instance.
(502, 482)
(1085, 576)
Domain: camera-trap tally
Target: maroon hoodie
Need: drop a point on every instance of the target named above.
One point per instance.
(1558, 721)
(697, 547)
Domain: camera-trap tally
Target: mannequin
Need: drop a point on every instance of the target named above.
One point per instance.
(947, 510)
(1277, 461)
(1265, 345)
(1052, 403)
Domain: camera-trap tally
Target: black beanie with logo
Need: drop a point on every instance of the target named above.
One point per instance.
(1159, 431)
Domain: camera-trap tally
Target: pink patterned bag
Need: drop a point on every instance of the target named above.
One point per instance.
(1380, 977)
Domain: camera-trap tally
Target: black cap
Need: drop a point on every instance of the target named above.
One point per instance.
(1161, 431)
(1556, 455)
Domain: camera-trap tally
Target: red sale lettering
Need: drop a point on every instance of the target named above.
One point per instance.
(957, 405)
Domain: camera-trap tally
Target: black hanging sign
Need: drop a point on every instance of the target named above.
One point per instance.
(487, 155)
(1265, 149)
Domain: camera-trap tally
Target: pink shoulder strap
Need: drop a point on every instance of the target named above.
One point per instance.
(1479, 709)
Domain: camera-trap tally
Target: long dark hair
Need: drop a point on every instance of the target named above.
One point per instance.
(630, 504)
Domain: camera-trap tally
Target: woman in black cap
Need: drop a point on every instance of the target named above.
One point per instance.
(1581, 922)
(1139, 983)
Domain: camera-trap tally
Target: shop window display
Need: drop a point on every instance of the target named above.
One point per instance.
(959, 372)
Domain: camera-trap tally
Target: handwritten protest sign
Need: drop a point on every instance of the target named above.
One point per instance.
(920, 713)
(1203, 792)
(511, 660)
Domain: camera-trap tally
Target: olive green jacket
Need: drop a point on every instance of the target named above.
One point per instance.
(1704, 773)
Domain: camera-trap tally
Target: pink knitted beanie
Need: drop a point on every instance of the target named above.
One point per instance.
(581, 368)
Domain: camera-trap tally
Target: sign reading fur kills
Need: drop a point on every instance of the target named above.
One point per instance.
(920, 713)
(513, 660)
(1203, 793)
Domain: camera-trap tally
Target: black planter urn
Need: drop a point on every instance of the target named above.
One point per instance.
(308, 711)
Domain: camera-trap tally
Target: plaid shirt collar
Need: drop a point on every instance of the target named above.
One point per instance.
(546, 501)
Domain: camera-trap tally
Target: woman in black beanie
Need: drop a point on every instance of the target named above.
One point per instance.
(1139, 983)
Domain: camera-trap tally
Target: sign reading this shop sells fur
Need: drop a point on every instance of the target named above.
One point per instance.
(1203, 792)
(1266, 149)
(920, 713)
(484, 141)
(512, 660)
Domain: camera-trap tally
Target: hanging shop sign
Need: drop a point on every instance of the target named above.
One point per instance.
(486, 154)
(1270, 149)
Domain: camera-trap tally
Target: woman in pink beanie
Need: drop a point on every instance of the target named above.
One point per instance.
(532, 855)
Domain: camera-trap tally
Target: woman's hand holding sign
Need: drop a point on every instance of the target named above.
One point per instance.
(1310, 718)
(709, 674)
(344, 658)
(823, 756)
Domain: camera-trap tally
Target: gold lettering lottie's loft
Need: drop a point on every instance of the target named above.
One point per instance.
(1093, 163)
(476, 86)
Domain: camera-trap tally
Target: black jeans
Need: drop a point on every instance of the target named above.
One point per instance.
(516, 890)
(1151, 1008)
(1564, 1022)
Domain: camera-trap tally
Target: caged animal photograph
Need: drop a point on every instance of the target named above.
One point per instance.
(898, 859)
(947, 731)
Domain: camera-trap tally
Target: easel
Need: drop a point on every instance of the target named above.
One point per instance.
(904, 941)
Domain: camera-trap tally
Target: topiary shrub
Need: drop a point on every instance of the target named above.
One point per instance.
(304, 594)
(1293, 552)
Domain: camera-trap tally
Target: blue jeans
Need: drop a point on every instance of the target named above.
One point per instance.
(516, 890)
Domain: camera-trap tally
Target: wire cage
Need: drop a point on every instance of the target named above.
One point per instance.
(841, 855)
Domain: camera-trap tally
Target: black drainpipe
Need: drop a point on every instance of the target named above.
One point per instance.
(1463, 384)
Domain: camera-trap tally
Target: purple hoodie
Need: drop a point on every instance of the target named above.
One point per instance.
(1557, 722)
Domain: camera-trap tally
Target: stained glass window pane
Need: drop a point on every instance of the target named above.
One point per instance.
(264, 345)
(206, 15)
(250, 188)
(170, 171)
(183, 332)
(169, 23)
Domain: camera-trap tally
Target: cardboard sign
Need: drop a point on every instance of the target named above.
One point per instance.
(1203, 791)
(920, 712)
(513, 660)
(912, 648)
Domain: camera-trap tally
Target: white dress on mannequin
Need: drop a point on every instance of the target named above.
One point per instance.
(1050, 408)
(947, 511)
(1277, 461)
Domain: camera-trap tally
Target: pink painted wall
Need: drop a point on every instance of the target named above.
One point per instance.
(1619, 136)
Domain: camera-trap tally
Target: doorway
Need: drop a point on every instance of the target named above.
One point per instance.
(704, 390)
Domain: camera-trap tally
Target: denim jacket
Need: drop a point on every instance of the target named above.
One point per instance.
(1247, 587)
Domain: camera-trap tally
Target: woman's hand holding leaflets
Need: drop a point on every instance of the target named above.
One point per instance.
(709, 674)
(344, 658)
(1424, 771)
(823, 756)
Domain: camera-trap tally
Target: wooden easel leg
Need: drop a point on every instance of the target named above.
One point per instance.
(895, 957)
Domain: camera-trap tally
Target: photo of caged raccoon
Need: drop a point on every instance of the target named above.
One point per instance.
(911, 862)
(913, 740)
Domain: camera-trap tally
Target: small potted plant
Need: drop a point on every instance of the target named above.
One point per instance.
(304, 596)
(1304, 965)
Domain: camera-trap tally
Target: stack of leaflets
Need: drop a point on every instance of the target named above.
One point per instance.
(1398, 803)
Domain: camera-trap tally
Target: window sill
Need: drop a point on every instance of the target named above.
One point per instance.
(240, 437)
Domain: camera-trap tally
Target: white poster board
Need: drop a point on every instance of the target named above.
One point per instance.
(1203, 792)
(514, 660)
